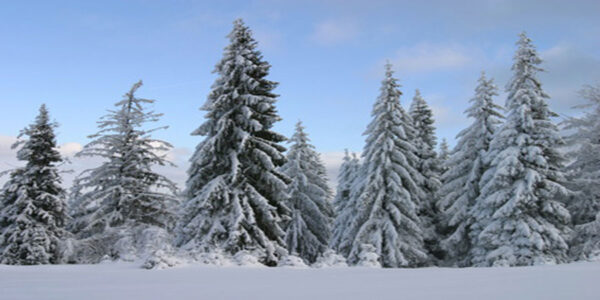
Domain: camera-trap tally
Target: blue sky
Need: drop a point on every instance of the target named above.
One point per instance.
(80, 57)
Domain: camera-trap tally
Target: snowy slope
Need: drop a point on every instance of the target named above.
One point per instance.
(127, 281)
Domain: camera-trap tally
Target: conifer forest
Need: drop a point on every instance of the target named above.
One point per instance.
(518, 186)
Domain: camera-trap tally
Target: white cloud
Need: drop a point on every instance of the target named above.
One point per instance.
(69, 149)
(555, 52)
(178, 173)
(426, 57)
(8, 158)
(567, 70)
(333, 32)
(5, 144)
(445, 117)
(332, 161)
(178, 155)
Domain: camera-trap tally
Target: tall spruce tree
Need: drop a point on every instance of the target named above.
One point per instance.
(350, 220)
(464, 170)
(33, 208)
(308, 232)
(348, 176)
(518, 219)
(388, 212)
(428, 166)
(122, 207)
(235, 195)
(584, 176)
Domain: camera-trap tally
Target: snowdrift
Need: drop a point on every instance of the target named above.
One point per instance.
(127, 281)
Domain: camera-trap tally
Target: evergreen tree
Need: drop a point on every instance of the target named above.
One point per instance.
(350, 219)
(348, 177)
(368, 257)
(308, 233)
(584, 176)
(122, 207)
(387, 214)
(33, 206)
(518, 219)
(464, 170)
(443, 157)
(235, 195)
(428, 166)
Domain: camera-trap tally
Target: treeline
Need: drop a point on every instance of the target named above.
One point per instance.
(512, 192)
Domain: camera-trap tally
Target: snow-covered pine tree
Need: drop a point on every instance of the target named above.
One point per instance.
(329, 259)
(348, 177)
(33, 208)
(464, 170)
(584, 176)
(235, 195)
(428, 166)
(387, 214)
(350, 220)
(368, 257)
(123, 209)
(443, 156)
(307, 234)
(518, 218)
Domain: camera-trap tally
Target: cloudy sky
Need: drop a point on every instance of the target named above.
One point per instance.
(80, 57)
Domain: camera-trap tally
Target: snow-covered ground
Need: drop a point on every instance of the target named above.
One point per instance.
(127, 281)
